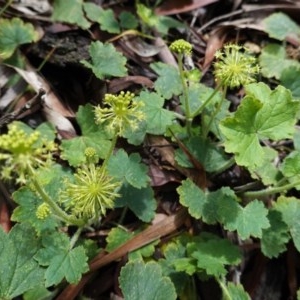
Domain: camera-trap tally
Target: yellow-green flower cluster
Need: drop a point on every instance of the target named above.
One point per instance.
(235, 66)
(20, 151)
(120, 113)
(92, 193)
(43, 211)
(91, 155)
(181, 47)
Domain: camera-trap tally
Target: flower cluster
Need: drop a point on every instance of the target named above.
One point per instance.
(20, 150)
(181, 47)
(91, 155)
(120, 112)
(92, 192)
(43, 211)
(234, 67)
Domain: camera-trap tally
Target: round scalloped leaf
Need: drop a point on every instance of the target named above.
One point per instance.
(145, 281)
(280, 25)
(14, 33)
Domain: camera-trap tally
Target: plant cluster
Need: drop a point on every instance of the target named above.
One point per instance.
(97, 176)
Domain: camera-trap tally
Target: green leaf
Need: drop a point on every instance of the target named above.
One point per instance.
(296, 139)
(209, 155)
(250, 220)
(51, 179)
(279, 26)
(47, 131)
(14, 33)
(19, 271)
(93, 135)
(273, 61)
(176, 249)
(26, 211)
(289, 207)
(128, 20)
(198, 94)
(192, 197)
(168, 82)
(145, 281)
(274, 238)
(213, 255)
(106, 61)
(218, 206)
(185, 264)
(137, 136)
(130, 168)
(221, 206)
(268, 172)
(70, 11)
(236, 291)
(117, 237)
(140, 201)
(161, 23)
(157, 118)
(262, 114)
(39, 293)
(105, 17)
(61, 261)
(290, 78)
(291, 167)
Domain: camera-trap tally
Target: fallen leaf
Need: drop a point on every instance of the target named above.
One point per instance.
(170, 7)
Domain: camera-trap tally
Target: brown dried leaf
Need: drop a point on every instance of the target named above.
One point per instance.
(214, 43)
(166, 151)
(140, 47)
(159, 176)
(165, 54)
(55, 112)
(170, 7)
(119, 84)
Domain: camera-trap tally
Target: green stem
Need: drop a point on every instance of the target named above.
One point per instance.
(229, 163)
(124, 211)
(206, 130)
(189, 118)
(6, 6)
(199, 110)
(75, 237)
(110, 151)
(179, 116)
(226, 294)
(271, 191)
(54, 207)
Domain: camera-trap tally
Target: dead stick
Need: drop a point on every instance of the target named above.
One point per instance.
(152, 233)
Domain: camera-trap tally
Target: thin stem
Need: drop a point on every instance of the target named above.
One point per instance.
(206, 130)
(229, 163)
(111, 150)
(189, 118)
(55, 208)
(75, 237)
(199, 110)
(226, 294)
(179, 116)
(124, 211)
(6, 6)
(271, 191)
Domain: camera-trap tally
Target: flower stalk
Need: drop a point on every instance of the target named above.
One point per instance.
(181, 48)
(61, 214)
(271, 191)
